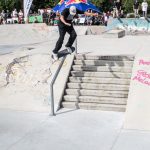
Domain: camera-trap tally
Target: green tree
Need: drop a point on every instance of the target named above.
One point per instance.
(10, 4)
(18, 4)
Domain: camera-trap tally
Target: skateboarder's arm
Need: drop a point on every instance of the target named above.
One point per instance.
(86, 13)
(90, 14)
(63, 20)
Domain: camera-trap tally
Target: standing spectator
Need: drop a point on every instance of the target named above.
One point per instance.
(45, 17)
(8, 17)
(136, 8)
(96, 20)
(49, 10)
(14, 13)
(89, 19)
(56, 19)
(41, 11)
(105, 17)
(15, 16)
(20, 17)
(36, 20)
(117, 8)
(114, 8)
(3, 17)
(8, 14)
(108, 13)
(144, 8)
(52, 17)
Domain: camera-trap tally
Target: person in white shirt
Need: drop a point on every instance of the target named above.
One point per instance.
(105, 18)
(15, 16)
(41, 11)
(14, 13)
(144, 8)
(20, 16)
(3, 17)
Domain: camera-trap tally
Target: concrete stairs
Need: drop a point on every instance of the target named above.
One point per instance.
(98, 82)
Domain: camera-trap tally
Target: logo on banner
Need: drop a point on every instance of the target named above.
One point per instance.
(61, 1)
(69, 2)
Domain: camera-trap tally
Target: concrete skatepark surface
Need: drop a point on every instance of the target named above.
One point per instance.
(24, 111)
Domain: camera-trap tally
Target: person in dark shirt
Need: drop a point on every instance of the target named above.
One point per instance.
(117, 8)
(66, 25)
(136, 8)
(45, 16)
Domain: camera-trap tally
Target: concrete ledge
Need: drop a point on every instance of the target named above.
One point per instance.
(114, 34)
(60, 84)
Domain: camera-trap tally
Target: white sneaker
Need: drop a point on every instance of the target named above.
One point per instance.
(69, 49)
(54, 56)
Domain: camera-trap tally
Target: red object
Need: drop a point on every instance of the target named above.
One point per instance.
(61, 1)
(75, 2)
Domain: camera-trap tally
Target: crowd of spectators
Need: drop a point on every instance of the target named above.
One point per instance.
(51, 18)
(7, 17)
(118, 8)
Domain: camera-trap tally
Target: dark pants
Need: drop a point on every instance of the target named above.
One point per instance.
(62, 32)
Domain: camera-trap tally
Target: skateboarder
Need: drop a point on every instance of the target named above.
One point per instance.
(65, 25)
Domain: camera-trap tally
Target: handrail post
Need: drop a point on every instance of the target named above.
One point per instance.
(52, 100)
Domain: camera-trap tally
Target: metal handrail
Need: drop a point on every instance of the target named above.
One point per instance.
(51, 100)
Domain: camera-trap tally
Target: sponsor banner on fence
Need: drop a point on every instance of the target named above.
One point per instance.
(35, 19)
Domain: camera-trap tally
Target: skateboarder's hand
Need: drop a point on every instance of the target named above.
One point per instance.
(95, 14)
(67, 24)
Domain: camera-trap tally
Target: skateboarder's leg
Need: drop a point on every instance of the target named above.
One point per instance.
(62, 32)
(72, 38)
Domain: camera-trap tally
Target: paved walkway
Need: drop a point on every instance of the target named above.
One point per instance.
(128, 45)
(76, 129)
(69, 130)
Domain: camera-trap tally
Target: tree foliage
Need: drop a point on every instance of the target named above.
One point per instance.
(10, 4)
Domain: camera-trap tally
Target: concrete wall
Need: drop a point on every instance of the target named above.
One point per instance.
(129, 24)
(138, 106)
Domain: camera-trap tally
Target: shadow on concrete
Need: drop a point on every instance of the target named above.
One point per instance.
(63, 112)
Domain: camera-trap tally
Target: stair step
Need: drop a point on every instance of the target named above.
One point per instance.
(100, 93)
(102, 68)
(101, 74)
(100, 80)
(111, 87)
(94, 106)
(92, 57)
(104, 63)
(93, 99)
